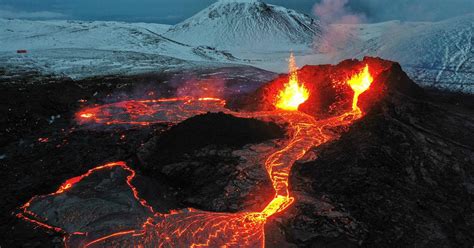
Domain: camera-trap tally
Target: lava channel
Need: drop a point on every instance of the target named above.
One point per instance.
(192, 227)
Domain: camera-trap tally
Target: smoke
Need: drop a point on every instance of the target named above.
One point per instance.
(213, 86)
(335, 37)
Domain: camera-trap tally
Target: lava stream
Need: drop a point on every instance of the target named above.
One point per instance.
(196, 228)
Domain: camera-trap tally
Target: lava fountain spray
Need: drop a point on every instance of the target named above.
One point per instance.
(359, 83)
(294, 93)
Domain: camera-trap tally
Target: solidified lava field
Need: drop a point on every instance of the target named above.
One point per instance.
(389, 166)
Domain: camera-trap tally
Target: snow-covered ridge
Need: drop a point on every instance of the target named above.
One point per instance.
(112, 36)
(439, 54)
(81, 49)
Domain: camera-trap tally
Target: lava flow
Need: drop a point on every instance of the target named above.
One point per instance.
(196, 228)
(147, 112)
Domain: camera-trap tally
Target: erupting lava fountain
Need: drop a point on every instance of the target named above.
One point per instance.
(293, 94)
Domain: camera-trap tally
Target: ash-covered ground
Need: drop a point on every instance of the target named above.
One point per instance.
(402, 176)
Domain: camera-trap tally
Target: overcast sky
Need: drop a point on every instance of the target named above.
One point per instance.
(173, 11)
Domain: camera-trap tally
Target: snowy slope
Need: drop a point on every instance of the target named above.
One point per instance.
(113, 36)
(82, 49)
(237, 25)
(83, 63)
(439, 54)
(434, 54)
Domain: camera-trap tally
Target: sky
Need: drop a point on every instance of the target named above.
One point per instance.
(174, 11)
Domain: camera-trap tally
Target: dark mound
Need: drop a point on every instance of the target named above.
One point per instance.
(330, 95)
(402, 176)
(197, 158)
(217, 129)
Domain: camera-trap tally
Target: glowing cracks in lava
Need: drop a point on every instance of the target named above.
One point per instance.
(108, 237)
(72, 181)
(360, 82)
(29, 216)
(294, 93)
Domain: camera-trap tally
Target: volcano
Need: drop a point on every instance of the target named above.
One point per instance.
(392, 171)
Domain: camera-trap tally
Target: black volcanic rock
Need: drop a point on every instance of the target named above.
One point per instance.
(212, 163)
(402, 176)
(217, 129)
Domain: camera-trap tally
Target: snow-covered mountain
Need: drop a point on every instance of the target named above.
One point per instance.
(81, 49)
(112, 36)
(237, 25)
(229, 32)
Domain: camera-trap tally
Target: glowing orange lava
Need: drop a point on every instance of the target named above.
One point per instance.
(359, 83)
(294, 93)
(147, 112)
(87, 115)
(196, 228)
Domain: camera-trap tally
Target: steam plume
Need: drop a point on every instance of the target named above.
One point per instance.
(335, 37)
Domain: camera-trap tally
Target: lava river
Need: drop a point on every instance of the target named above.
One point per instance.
(192, 227)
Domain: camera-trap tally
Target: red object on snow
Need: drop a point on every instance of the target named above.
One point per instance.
(21, 51)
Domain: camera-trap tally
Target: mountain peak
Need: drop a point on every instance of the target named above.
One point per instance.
(247, 25)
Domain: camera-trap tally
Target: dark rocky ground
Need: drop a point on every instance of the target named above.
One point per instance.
(36, 108)
(400, 177)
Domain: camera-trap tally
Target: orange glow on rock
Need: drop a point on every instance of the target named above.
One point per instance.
(359, 83)
(87, 115)
(294, 93)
